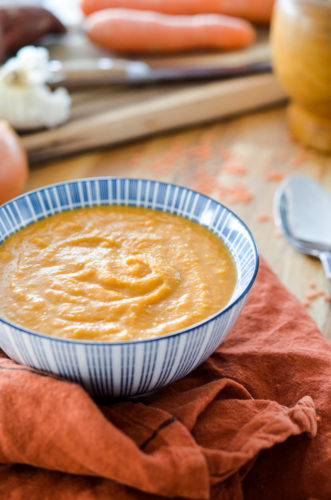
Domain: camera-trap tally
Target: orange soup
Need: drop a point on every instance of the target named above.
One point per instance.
(113, 273)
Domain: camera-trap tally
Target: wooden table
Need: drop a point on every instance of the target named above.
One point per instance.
(239, 162)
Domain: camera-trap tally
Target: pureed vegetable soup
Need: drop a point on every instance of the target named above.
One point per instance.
(113, 273)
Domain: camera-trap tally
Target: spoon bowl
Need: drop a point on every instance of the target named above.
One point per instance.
(302, 210)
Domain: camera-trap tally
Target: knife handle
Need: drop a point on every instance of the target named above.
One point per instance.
(86, 70)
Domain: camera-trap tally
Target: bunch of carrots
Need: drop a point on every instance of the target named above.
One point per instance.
(165, 26)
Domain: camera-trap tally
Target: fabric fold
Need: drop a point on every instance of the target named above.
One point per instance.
(57, 426)
(252, 421)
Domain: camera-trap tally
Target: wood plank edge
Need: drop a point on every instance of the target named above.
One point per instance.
(184, 108)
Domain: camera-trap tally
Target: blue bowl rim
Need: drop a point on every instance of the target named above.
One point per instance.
(160, 337)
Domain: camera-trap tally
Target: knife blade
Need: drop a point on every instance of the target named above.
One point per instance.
(80, 74)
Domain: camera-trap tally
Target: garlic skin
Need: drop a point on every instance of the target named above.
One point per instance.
(26, 101)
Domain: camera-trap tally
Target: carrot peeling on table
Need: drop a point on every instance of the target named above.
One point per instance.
(167, 162)
(239, 193)
(274, 175)
(300, 157)
(222, 190)
(319, 171)
(203, 152)
(135, 159)
(262, 217)
(315, 294)
(203, 188)
(235, 168)
(227, 154)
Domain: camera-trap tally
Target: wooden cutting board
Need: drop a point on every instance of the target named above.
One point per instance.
(116, 114)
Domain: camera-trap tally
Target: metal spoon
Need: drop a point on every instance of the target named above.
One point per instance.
(302, 210)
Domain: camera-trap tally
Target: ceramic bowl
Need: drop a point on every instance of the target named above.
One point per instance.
(110, 370)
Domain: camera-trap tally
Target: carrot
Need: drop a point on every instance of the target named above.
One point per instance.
(135, 31)
(253, 10)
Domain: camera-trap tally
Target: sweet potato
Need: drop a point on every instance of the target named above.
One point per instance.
(21, 26)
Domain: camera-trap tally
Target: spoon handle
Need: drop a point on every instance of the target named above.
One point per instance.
(326, 329)
(325, 258)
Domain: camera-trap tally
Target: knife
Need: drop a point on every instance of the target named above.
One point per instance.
(79, 74)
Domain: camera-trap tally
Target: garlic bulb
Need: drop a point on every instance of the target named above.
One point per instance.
(26, 101)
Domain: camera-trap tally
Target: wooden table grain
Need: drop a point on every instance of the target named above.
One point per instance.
(239, 162)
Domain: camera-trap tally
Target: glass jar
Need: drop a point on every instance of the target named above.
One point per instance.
(301, 45)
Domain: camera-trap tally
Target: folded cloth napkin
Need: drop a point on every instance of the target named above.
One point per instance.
(251, 422)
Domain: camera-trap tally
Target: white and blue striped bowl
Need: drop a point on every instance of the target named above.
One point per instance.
(120, 369)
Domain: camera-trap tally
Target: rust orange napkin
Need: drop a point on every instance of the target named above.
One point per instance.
(252, 422)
